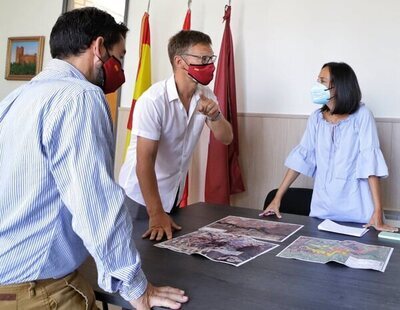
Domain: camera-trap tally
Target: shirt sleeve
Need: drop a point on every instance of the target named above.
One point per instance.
(302, 157)
(147, 118)
(79, 142)
(370, 161)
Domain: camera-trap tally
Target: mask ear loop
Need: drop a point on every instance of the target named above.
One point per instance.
(185, 63)
(108, 55)
(102, 65)
(331, 87)
(330, 97)
(184, 60)
(100, 59)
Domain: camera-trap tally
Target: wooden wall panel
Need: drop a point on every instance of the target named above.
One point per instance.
(392, 189)
(265, 143)
(385, 139)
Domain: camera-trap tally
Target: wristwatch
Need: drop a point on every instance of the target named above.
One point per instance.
(216, 117)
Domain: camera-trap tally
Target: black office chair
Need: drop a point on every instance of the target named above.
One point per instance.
(295, 200)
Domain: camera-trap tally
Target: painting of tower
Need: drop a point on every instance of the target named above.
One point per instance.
(24, 57)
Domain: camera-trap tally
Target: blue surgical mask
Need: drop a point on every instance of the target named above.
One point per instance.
(320, 94)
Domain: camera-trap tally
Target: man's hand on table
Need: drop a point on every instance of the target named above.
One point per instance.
(159, 224)
(163, 296)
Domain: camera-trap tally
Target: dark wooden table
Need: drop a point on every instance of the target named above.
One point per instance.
(267, 282)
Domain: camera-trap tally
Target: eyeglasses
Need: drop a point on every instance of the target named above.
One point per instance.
(204, 59)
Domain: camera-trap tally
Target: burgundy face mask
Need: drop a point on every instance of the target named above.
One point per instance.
(202, 73)
(114, 75)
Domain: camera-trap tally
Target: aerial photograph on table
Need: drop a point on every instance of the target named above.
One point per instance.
(255, 228)
(219, 247)
(350, 253)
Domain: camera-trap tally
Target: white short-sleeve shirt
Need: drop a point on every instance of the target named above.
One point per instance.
(160, 115)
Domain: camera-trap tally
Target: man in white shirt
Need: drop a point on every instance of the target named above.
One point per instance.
(167, 123)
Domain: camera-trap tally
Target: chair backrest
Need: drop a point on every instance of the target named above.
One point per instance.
(295, 200)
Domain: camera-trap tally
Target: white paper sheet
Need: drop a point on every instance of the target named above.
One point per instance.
(331, 226)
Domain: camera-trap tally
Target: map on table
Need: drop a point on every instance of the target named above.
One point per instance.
(255, 228)
(232, 239)
(350, 253)
(219, 247)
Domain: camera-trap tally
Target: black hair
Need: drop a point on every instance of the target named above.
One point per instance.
(74, 31)
(347, 90)
(183, 40)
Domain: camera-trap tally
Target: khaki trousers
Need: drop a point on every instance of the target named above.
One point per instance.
(71, 292)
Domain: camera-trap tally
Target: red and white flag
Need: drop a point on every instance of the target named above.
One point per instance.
(223, 176)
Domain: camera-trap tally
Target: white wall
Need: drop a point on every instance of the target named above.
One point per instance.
(20, 18)
(280, 46)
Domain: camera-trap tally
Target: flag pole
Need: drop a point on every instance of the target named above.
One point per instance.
(148, 6)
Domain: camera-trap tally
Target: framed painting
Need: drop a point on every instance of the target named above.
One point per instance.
(24, 57)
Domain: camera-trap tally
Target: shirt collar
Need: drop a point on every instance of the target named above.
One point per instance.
(61, 67)
(173, 92)
(171, 89)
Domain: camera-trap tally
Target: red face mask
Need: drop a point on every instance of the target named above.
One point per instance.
(202, 73)
(114, 75)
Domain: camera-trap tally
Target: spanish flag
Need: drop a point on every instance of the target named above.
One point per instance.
(143, 77)
(184, 201)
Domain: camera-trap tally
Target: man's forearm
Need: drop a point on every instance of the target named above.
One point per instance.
(149, 188)
(222, 130)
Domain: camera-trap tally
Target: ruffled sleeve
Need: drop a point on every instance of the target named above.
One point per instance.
(302, 157)
(370, 161)
(302, 160)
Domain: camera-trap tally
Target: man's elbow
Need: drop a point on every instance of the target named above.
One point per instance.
(141, 167)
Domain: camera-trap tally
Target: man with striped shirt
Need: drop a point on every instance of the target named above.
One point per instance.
(58, 200)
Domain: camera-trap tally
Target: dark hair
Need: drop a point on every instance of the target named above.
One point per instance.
(347, 90)
(74, 31)
(183, 40)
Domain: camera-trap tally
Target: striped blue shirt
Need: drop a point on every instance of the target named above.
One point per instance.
(58, 200)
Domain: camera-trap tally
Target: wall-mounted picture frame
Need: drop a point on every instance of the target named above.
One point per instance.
(24, 57)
